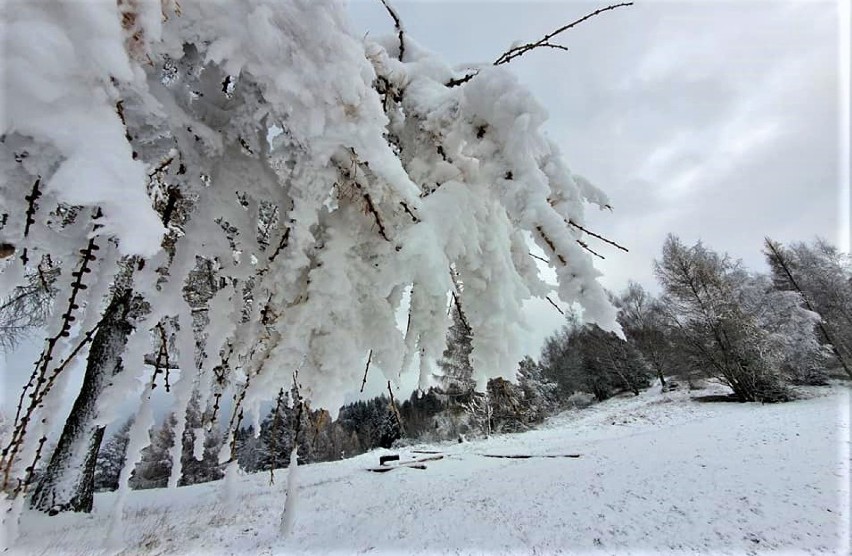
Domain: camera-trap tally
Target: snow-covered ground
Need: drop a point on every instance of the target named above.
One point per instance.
(657, 473)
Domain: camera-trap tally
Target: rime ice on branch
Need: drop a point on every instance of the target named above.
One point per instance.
(271, 187)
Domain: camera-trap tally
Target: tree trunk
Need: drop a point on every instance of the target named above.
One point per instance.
(68, 481)
(659, 369)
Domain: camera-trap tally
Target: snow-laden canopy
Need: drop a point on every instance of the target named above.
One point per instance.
(310, 183)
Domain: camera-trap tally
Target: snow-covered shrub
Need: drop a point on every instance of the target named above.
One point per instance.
(580, 400)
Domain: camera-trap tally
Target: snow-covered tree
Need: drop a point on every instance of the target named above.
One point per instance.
(456, 378)
(539, 393)
(198, 455)
(155, 465)
(714, 328)
(794, 346)
(319, 179)
(200, 450)
(822, 276)
(643, 321)
(510, 407)
(111, 457)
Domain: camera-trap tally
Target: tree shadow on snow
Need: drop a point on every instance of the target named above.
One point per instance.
(710, 398)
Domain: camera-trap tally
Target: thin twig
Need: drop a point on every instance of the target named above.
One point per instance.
(598, 236)
(366, 370)
(372, 208)
(518, 51)
(285, 237)
(542, 259)
(32, 207)
(395, 409)
(550, 244)
(544, 42)
(585, 246)
(461, 312)
(561, 312)
(61, 367)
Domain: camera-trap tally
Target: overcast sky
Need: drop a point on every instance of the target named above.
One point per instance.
(710, 120)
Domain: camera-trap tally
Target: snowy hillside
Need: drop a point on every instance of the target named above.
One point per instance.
(658, 472)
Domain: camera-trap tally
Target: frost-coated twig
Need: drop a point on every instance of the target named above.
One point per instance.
(462, 316)
(408, 212)
(39, 381)
(550, 244)
(161, 167)
(50, 381)
(22, 486)
(119, 109)
(397, 22)
(32, 207)
(162, 363)
(220, 372)
(372, 208)
(351, 175)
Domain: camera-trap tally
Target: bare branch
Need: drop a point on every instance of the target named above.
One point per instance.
(544, 42)
(518, 51)
(366, 370)
(556, 46)
(542, 259)
(561, 312)
(598, 236)
(395, 409)
(455, 82)
(372, 208)
(32, 207)
(585, 246)
(461, 312)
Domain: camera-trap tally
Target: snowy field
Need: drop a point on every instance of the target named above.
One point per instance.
(656, 473)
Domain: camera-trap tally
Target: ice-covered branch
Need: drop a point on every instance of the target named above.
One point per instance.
(397, 22)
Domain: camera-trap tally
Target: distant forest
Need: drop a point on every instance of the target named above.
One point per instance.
(760, 334)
